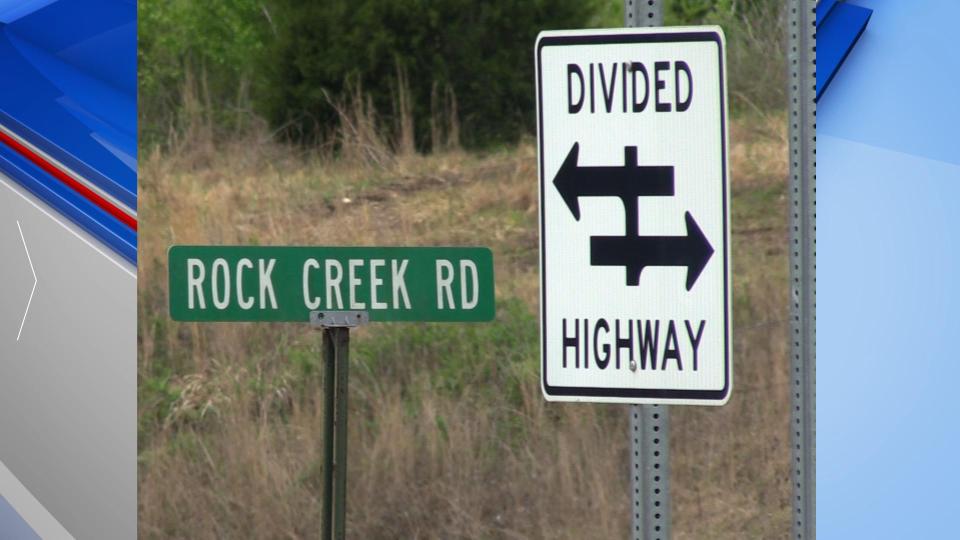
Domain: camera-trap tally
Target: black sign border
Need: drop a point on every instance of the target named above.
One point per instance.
(706, 396)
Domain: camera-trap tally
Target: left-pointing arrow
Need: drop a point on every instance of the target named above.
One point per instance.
(34, 272)
(628, 181)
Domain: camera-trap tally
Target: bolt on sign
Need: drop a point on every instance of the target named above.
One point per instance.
(634, 216)
(286, 284)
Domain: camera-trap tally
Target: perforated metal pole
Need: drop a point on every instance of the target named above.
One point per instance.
(643, 12)
(649, 424)
(650, 468)
(801, 56)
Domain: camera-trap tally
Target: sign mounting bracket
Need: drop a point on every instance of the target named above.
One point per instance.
(339, 319)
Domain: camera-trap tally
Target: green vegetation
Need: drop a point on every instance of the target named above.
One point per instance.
(490, 358)
(197, 58)
(471, 59)
(429, 75)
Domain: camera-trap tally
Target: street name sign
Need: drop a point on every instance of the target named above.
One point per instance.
(634, 216)
(286, 284)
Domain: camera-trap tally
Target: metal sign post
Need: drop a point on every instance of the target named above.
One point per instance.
(649, 424)
(336, 356)
(650, 467)
(643, 12)
(801, 54)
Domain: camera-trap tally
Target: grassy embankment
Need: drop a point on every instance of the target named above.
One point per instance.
(449, 434)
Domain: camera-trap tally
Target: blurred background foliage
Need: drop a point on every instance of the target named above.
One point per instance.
(430, 74)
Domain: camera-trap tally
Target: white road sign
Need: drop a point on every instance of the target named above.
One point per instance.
(634, 216)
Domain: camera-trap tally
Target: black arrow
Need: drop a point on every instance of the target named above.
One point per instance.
(626, 182)
(639, 252)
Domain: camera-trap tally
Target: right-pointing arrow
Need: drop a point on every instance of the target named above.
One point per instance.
(29, 260)
(638, 252)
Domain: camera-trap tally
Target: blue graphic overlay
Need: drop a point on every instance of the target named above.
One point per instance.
(888, 255)
(74, 67)
(898, 88)
(839, 26)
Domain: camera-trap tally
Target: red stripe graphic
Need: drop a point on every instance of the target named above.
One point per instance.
(70, 182)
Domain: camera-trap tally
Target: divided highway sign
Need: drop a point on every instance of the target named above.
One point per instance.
(634, 216)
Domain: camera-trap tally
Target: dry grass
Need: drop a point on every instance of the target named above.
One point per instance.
(450, 437)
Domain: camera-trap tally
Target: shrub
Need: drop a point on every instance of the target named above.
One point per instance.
(478, 53)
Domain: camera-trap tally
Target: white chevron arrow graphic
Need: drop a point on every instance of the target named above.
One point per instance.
(29, 260)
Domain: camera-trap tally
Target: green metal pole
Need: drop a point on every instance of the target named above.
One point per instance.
(329, 359)
(341, 338)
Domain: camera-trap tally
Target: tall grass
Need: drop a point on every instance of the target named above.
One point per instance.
(756, 50)
(449, 435)
(756, 44)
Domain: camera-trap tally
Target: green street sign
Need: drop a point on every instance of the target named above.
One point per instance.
(284, 284)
